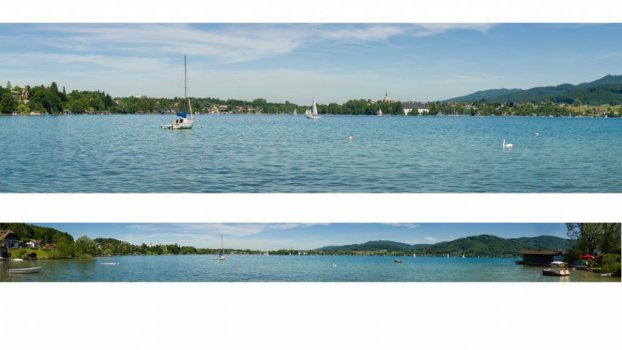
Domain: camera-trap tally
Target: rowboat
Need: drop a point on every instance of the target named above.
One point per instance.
(36, 269)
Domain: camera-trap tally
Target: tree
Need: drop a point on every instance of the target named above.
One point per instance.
(7, 103)
(85, 247)
(64, 248)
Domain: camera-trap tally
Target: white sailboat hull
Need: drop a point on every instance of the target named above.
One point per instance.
(185, 124)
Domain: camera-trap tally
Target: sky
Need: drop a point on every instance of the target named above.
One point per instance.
(294, 62)
(271, 236)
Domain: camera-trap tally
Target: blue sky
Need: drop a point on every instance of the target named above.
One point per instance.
(334, 62)
(299, 236)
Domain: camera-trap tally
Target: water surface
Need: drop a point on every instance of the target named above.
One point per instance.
(130, 153)
(252, 268)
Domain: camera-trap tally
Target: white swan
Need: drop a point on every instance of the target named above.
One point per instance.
(507, 145)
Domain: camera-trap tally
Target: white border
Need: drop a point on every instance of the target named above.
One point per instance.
(393, 11)
(312, 316)
(311, 208)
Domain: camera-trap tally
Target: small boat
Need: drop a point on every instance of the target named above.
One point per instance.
(463, 256)
(312, 113)
(414, 255)
(295, 112)
(222, 251)
(184, 121)
(379, 113)
(397, 261)
(110, 263)
(557, 268)
(24, 270)
(18, 259)
(518, 262)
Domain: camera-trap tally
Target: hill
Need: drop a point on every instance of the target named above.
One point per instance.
(483, 245)
(606, 90)
(26, 232)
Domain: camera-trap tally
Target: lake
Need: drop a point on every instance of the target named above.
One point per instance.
(268, 153)
(256, 268)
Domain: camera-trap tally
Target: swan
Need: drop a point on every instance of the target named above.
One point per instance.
(507, 145)
(536, 134)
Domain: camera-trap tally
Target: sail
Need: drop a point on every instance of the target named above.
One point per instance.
(314, 111)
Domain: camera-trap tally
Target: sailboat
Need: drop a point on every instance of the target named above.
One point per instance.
(222, 251)
(312, 113)
(379, 113)
(183, 121)
(295, 112)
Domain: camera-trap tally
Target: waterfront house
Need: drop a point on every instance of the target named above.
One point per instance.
(34, 243)
(540, 256)
(9, 239)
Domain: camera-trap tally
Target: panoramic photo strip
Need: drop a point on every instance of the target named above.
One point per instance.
(290, 252)
(300, 108)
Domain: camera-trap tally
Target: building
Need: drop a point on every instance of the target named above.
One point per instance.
(409, 106)
(34, 243)
(540, 256)
(9, 239)
(386, 97)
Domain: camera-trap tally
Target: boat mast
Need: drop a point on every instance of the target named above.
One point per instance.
(186, 88)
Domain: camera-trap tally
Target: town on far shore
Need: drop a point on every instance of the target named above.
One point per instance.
(598, 101)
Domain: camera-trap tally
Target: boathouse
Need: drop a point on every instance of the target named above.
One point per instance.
(9, 239)
(539, 256)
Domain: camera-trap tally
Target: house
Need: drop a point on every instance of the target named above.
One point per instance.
(34, 243)
(9, 239)
(539, 256)
(50, 246)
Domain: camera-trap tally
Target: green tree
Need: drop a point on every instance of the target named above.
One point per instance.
(64, 249)
(85, 247)
(7, 103)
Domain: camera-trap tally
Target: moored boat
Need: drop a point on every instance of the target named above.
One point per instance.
(25, 270)
(556, 268)
(184, 121)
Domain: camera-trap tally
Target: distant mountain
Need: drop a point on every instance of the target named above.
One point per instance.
(376, 245)
(484, 95)
(606, 90)
(483, 245)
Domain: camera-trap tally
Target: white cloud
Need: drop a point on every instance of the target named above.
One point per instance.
(409, 226)
(430, 29)
(227, 43)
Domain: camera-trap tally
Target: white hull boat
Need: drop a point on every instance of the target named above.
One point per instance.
(184, 121)
(557, 268)
(26, 270)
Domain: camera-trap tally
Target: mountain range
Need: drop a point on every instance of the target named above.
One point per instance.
(482, 245)
(606, 90)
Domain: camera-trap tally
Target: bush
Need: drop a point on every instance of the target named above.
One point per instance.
(18, 253)
(611, 263)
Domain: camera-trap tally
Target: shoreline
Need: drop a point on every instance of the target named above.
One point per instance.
(323, 115)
